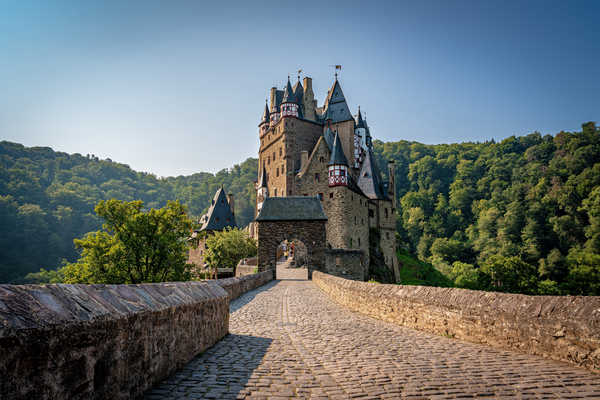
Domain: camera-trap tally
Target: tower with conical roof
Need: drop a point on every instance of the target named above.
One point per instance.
(265, 120)
(262, 190)
(338, 165)
(289, 104)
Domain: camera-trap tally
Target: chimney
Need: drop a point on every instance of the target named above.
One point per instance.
(231, 203)
(307, 83)
(309, 100)
(303, 157)
(273, 95)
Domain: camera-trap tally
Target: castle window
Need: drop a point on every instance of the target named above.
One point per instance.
(358, 242)
(387, 235)
(331, 195)
(290, 192)
(277, 172)
(350, 242)
(317, 177)
(371, 213)
(321, 196)
(280, 150)
(321, 159)
(273, 156)
(355, 220)
(386, 213)
(275, 192)
(268, 160)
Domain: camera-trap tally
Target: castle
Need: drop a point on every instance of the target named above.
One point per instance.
(325, 152)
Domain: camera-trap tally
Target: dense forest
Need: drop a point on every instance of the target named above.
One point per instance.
(47, 199)
(521, 215)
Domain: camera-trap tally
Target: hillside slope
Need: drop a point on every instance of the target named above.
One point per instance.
(47, 198)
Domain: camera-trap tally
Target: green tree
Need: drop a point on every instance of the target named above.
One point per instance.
(225, 249)
(511, 274)
(133, 246)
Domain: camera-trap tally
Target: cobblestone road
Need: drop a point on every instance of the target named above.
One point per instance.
(289, 340)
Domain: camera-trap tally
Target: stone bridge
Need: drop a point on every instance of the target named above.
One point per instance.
(288, 339)
(295, 338)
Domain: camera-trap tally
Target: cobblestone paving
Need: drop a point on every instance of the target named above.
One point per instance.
(289, 340)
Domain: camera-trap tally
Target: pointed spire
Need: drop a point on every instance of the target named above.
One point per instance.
(360, 123)
(369, 179)
(263, 178)
(266, 117)
(337, 154)
(336, 107)
(329, 137)
(288, 94)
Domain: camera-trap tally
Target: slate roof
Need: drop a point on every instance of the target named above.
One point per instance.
(288, 94)
(294, 208)
(219, 215)
(336, 106)
(262, 182)
(298, 91)
(337, 154)
(369, 179)
(329, 137)
(278, 98)
(266, 114)
(360, 123)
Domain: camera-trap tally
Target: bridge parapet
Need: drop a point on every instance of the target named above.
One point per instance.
(565, 328)
(108, 341)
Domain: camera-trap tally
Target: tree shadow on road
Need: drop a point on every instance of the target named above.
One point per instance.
(221, 372)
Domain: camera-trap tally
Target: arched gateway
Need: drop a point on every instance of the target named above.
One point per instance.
(291, 218)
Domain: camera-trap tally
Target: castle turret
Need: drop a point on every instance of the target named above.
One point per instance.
(289, 105)
(275, 105)
(264, 121)
(338, 165)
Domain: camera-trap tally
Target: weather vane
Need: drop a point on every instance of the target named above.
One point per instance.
(337, 68)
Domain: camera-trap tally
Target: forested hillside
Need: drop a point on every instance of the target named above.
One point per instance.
(525, 211)
(47, 199)
(521, 215)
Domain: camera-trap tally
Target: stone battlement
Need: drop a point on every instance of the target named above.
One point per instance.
(565, 328)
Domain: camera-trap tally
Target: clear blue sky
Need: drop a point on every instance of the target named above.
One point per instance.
(178, 87)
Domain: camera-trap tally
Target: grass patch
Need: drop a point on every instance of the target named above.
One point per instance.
(417, 272)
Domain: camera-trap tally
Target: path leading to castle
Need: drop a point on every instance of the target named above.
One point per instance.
(289, 340)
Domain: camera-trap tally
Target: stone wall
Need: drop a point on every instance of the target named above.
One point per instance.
(345, 263)
(237, 286)
(103, 341)
(565, 328)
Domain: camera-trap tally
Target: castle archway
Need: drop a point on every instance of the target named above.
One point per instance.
(289, 219)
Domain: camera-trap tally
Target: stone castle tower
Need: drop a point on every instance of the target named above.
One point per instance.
(307, 150)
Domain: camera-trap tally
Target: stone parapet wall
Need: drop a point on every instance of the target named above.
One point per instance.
(346, 263)
(235, 287)
(243, 270)
(103, 341)
(565, 328)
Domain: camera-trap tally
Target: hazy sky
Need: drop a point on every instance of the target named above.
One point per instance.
(176, 87)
